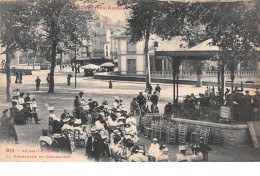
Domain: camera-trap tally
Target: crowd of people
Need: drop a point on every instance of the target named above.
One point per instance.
(23, 108)
(106, 131)
(245, 106)
(146, 104)
(22, 111)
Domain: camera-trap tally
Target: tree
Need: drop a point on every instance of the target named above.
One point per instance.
(233, 27)
(57, 24)
(142, 22)
(14, 27)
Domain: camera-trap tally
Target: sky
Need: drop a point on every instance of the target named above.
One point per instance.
(114, 15)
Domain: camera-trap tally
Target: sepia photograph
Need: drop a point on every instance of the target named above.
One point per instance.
(130, 81)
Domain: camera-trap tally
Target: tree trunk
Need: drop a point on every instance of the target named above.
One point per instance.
(199, 82)
(53, 63)
(61, 60)
(8, 77)
(148, 74)
(222, 78)
(34, 58)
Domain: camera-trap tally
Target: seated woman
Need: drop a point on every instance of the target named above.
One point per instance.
(164, 157)
(182, 157)
(20, 118)
(56, 124)
(138, 155)
(116, 148)
(197, 155)
(112, 122)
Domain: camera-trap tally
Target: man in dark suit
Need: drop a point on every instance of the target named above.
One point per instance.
(141, 99)
(154, 99)
(94, 145)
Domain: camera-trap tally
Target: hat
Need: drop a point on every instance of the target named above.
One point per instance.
(5, 111)
(247, 91)
(66, 120)
(131, 133)
(155, 139)
(90, 99)
(140, 151)
(182, 147)
(81, 93)
(121, 99)
(93, 129)
(57, 135)
(116, 131)
(121, 123)
(121, 118)
(51, 108)
(19, 107)
(86, 108)
(77, 122)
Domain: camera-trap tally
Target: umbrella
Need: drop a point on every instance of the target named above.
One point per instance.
(90, 66)
(107, 64)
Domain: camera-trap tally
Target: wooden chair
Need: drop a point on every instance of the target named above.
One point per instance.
(182, 134)
(89, 119)
(147, 132)
(5, 137)
(171, 135)
(205, 132)
(225, 114)
(50, 125)
(156, 131)
(44, 145)
(141, 147)
(217, 136)
(195, 134)
(77, 140)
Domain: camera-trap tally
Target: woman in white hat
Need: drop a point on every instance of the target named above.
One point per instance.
(154, 149)
(137, 155)
(182, 156)
(164, 157)
(54, 121)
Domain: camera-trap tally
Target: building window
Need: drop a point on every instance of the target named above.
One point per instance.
(131, 47)
(106, 47)
(106, 53)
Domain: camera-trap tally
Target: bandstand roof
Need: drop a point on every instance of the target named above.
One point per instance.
(202, 51)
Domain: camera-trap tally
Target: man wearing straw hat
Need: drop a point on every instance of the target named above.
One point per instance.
(94, 145)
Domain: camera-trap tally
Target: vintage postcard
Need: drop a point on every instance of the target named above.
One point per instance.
(130, 81)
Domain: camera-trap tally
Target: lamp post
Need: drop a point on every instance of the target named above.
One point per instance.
(75, 63)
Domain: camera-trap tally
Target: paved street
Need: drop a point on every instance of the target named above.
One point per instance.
(98, 90)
